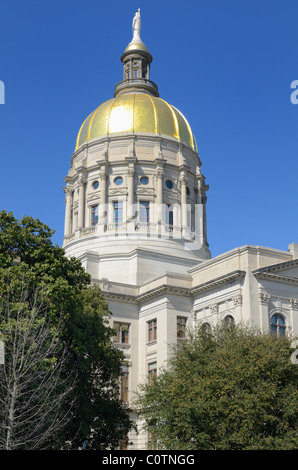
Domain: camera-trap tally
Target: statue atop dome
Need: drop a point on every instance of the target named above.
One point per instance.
(136, 26)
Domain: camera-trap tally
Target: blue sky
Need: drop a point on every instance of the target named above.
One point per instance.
(228, 66)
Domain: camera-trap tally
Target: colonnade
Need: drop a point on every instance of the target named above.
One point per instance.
(80, 185)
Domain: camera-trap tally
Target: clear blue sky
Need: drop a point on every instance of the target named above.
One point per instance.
(227, 65)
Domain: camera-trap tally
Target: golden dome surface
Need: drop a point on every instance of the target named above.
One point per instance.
(137, 46)
(136, 112)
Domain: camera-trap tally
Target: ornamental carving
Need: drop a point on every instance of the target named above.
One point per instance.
(264, 298)
(294, 304)
(68, 191)
(237, 300)
(159, 173)
(214, 308)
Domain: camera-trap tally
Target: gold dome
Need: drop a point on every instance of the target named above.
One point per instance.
(136, 112)
(137, 46)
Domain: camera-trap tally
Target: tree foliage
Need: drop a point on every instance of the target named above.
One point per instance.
(233, 389)
(80, 313)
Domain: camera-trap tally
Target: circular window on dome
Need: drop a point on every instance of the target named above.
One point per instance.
(95, 184)
(144, 180)
(169, 184)
(118, 180)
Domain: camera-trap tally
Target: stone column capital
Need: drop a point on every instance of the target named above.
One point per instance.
(294, 304)
(264, 298)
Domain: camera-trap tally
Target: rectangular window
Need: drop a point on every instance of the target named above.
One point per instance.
(136, 73)
(122, 332)
(169, 217)
(152, 371)
(152, 330)
(94, 215)
(118, 212)
(181, 327)
(144, 212)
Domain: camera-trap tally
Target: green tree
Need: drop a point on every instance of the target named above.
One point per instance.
(28, 256)
(232, 389)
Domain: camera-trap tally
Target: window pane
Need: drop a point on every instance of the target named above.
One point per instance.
(144, 180)
(118, 212)
(277, 325)
(169, 216)
(118, 181)
(152, 371)
(144, 211)
(152, 330)
(181, 327)
(94, 215)
(121, 332)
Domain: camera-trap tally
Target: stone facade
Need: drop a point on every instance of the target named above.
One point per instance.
(136, 217)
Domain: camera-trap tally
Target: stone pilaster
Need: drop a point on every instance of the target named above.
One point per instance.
(102, 212)
(68, 201)
(81, 208)
(264, 299)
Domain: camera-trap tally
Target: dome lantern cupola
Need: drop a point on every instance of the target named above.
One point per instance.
(134, 187)
(136, 61)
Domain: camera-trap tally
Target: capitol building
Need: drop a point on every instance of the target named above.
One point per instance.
(136, 217)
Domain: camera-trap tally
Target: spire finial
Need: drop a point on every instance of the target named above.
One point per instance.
(136, 27)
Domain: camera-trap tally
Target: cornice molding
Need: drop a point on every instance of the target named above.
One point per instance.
(276, 277)
(225, 279)
(165, 289)
(277, 267)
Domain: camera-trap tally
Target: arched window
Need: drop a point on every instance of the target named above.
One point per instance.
(277, 325)
(228, 321)
(206, 328)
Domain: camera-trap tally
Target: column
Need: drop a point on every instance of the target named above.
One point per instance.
(202, 200)
(81, 210)
(103, 199)
(264, 299)
(238, 301)
(159, 200)
(130, 189)
(182, 180)
(68, 198)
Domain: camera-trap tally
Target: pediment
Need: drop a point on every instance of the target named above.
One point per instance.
(93, 197)
(117, 192)
(286, 271)
(146, 191)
